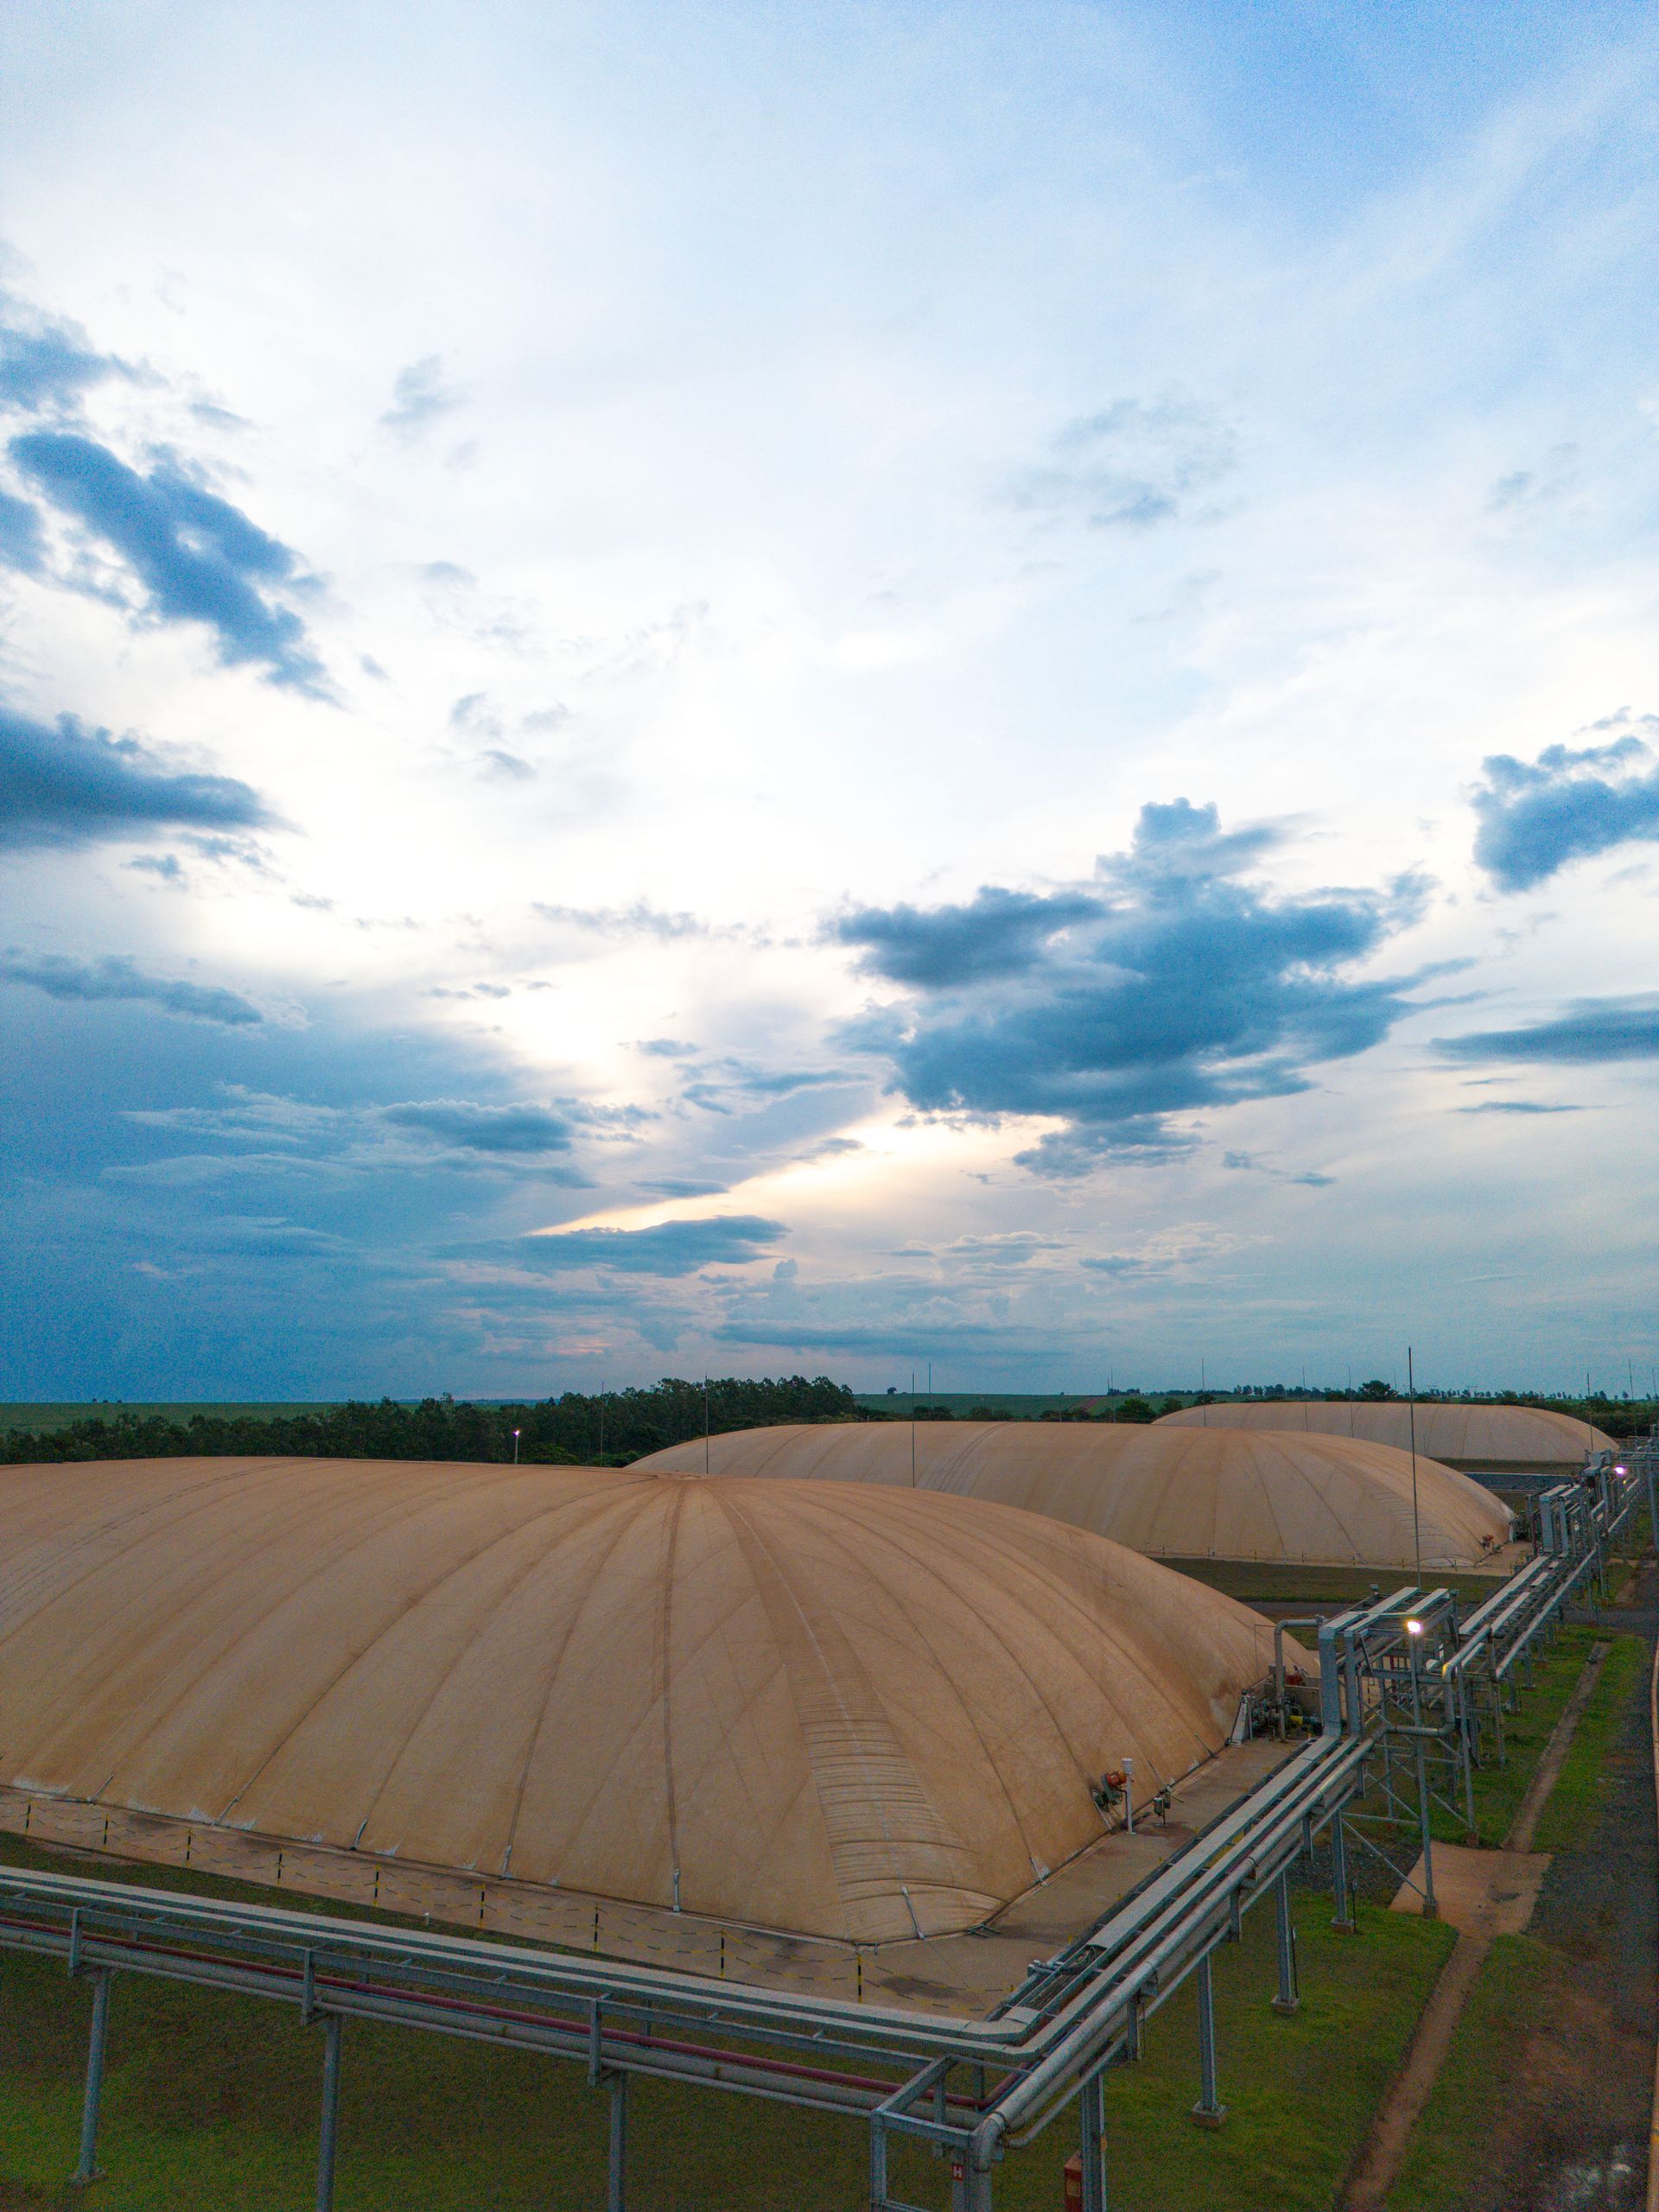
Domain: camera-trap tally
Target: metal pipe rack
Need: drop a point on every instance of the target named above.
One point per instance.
(1398, 1692)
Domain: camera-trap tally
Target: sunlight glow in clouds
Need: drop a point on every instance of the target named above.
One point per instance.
(687, 689)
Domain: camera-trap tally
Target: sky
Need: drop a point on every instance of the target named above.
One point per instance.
(748, 688)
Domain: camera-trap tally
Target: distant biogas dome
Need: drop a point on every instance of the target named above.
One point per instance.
(1486, 1440)
(830, 1709)
(1182, 1494)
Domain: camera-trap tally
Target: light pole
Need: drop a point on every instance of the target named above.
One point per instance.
(516, 1434)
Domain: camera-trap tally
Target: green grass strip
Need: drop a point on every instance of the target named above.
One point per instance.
(1523, 1982)
(1582, 1784)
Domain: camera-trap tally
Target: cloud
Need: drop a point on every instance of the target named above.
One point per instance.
(474, 714)
(1528, 488)
(722, 1085)
(1592, 1031)
(1006, 1248)
(905, 1336)
(1248, 1161)
(665, 1048)
(1164, 1251)
(1517, 1106)
(419, 398)
(249, 1236)
(641, 919)
(199, 558)
(1536, 816)
(1134, 464)
(516, 1130)
(46, 365)
(23, 543)
(834, 1148)
(495, 761)
(997, 933)
(65, 785)
(1187, 988)
(116, 976)
(507, 1140)
(671, 1248)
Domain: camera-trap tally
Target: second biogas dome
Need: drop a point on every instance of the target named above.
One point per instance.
(1519, 1440)
(1175, 1493)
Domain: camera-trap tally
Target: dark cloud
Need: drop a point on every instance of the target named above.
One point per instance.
(997, 933)
(681, 1186)
(505, 1141)
(419, 398)
(64, 784)
(1565, 805)
(1134, 464)
(1187, 988)
(128, 1138)
(518, 1129)
(673, 1248)
(45, 365)
(199, 558)
(1591, 1031)
(115, 976)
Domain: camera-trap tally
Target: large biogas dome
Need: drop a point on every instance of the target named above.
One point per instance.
(835, 1709)
(1523, 1439)
(1176, 1494)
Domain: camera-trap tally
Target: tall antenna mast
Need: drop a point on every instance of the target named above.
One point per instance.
(1411, 1416)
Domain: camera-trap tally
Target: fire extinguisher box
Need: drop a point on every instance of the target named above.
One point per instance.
(1074, 2183)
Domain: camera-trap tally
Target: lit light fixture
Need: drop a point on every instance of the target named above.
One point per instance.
(1621, 1471)
(1413, 1628)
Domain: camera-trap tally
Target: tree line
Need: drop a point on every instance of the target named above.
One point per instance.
(609, 1428)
